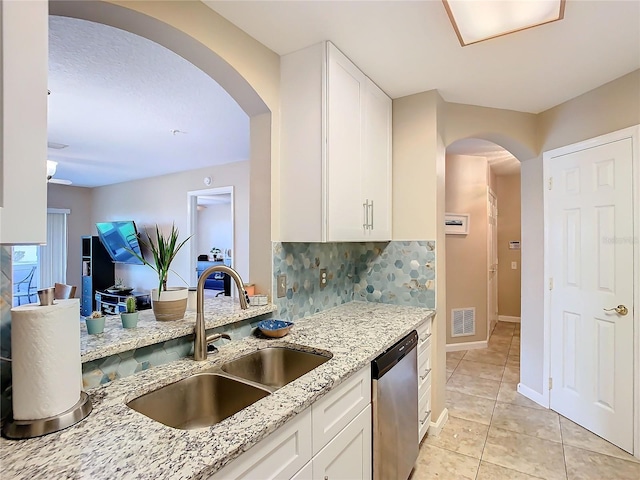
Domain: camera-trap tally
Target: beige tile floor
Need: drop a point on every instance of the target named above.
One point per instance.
(494, 433)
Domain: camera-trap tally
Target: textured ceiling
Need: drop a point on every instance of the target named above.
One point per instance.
(408, 47)
(116, 99)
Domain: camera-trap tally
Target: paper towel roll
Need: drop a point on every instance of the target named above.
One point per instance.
(46, 367)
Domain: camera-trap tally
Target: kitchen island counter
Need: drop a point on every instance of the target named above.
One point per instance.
(116, 442)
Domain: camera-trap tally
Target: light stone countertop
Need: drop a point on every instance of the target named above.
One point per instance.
(218, 311)
(116, 442)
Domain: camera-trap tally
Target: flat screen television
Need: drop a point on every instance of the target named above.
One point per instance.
(117, 237)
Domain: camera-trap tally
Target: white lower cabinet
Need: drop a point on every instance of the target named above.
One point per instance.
(348, 455)
(329, 441)
(424, 378)
(279, 456)
(333, 412)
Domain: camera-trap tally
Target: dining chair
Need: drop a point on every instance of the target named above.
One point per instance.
(62, 291)
(26, 288)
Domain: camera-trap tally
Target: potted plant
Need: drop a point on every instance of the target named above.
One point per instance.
(130, 317)
(95, 323)
(167, 303)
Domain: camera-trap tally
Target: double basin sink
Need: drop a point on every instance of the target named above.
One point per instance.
(204, 399)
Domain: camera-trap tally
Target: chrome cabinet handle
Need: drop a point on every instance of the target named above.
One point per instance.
(422, 377)
(422, 421)
(371, 224)
(620, 310)
(365, 206)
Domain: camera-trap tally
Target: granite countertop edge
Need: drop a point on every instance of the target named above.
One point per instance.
(118, 442)
(115, 339)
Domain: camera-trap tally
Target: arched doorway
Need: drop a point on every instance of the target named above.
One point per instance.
(248, 71)
(480, 175)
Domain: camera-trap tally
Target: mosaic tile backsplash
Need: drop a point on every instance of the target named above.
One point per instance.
(105, 370)
(400, 273)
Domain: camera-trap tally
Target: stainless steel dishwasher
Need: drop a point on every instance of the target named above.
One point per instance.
(395, 410)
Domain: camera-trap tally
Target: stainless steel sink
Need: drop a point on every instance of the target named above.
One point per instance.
(274, 366)
(197, 401)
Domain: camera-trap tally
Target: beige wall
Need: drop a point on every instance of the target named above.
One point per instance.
(245, 68)
(508, 192)
(611, 107)
(515, 131)
(79, 201)
(466, 255)
(414, 171)
(418, 204)
(163, 201)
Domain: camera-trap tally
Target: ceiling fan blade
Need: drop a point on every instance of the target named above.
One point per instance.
(60, 181)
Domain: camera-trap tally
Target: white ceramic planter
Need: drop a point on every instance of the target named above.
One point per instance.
(171, 305)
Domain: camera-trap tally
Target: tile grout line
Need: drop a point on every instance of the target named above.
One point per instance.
(486, 439)
(564, 455)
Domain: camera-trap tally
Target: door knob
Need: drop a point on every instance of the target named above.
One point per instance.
(620, 310)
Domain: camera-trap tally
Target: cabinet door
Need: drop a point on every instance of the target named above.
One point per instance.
(348, 455)
(339, 407)
(376, 162)
(343, 200)
(305, 473)
(278, 456)
(23, 107)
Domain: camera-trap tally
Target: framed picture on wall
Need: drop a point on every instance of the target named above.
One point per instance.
(456, 223)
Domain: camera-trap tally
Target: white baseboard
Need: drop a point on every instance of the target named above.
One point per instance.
(455, 347)
(436, 427)
(507, 318)
(533, 395)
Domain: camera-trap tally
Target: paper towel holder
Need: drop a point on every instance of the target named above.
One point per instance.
(21, 429)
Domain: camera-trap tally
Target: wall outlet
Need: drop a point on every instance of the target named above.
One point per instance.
(323, 278)
(281, 286)
(514, 265)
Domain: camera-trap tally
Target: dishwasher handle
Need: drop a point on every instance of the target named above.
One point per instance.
(390, 357)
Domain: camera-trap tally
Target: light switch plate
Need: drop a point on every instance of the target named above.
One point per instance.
(282, 286)
(514, 265)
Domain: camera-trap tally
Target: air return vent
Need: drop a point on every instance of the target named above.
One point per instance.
(463, 322)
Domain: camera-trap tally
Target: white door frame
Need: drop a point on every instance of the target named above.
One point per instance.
(490, 257)
(634, 134)
(192, 226)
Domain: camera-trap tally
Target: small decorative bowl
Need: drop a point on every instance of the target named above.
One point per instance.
(275, 328)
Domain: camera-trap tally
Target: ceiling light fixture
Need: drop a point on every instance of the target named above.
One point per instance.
(478, 20)
(51, 168)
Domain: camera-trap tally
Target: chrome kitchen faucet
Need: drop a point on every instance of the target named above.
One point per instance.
(201, 340)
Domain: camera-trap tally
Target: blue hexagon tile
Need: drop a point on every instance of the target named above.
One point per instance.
(105, 370)
(401, 273)
(301, 263)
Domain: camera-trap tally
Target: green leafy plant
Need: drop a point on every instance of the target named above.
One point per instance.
(164, 250)
(131, 304)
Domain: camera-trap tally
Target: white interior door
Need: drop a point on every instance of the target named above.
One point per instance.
(590, 209)
(492, 301)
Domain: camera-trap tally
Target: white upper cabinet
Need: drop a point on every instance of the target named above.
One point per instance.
(335, 171)
(23, 139)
